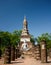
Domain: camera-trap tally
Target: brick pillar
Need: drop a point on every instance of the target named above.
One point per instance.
(43, 51)
(49, 52)
(13, 53)
(0, 53)
(16, 53)
(37, 52)
(33, 49)
(0, 48)
(7, 56)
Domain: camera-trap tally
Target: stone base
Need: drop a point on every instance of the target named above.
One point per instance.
(27, 54)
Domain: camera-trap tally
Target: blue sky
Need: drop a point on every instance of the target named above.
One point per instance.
(37, 12)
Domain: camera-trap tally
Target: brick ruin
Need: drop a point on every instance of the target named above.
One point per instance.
(26, 48)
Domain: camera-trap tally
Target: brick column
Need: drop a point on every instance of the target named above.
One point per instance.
(16, 53)
(0, 53)
(49, 52)
(33, 50)
(37, 52)
(0, 48)
(7, 56)
(13, 53)
(43, 51)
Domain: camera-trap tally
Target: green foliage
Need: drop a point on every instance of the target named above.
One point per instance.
(15, 38)
(7, 38)
(32, 39)
(4, 39)
(47, 37)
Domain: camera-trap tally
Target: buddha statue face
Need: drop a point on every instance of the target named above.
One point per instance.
(24, 46)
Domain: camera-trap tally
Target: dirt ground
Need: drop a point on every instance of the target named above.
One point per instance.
(25, 61)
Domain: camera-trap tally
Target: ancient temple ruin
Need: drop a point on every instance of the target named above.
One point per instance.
(25, 43)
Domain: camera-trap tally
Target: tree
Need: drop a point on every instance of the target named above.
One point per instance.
(32, 39)
(15, 37)
(47, 37)
(4, 39)
(7, 38)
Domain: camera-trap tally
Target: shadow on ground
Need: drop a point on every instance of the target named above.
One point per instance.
(16, 62)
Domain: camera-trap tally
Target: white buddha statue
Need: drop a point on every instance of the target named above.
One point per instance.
(25, 46)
